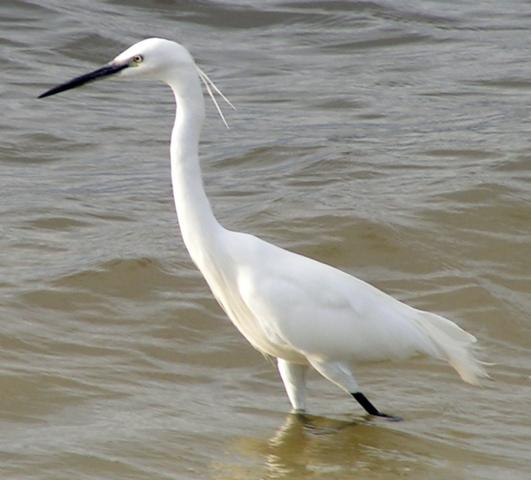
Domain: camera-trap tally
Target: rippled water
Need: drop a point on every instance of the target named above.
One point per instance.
(391, 139)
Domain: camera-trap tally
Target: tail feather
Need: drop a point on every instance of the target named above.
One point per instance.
(454, 345)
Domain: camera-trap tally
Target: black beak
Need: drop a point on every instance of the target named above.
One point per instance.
(102, 72)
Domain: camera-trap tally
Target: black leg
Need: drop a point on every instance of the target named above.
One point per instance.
(370, 408)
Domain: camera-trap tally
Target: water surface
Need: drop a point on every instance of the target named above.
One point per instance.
(390, 139)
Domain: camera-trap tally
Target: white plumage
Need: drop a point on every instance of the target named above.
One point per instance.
(288, 306)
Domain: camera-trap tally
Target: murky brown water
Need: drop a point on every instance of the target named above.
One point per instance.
(391, 141)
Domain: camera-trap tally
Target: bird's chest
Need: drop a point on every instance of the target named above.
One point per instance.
(225, 290)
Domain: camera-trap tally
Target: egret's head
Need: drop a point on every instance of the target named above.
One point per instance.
(152, 58)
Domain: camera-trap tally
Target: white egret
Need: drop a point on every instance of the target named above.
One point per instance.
(290, 307)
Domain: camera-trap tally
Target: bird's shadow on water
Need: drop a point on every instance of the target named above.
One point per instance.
(307, 446)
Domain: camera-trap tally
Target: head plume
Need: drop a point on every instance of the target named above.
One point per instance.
(210, 85)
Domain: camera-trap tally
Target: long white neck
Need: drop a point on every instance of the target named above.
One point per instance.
(199, 227)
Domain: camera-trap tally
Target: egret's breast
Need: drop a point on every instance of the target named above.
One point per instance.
(226, 292)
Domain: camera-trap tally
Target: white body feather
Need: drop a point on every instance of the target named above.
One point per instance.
(292, 307)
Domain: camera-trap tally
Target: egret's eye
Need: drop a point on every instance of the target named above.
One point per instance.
(138, 59)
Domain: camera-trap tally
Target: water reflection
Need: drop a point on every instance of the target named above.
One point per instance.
(298, 446)
(307, 446)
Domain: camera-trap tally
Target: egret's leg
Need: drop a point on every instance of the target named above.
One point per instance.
(341, 374)
(294, 377)
(338, 373)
